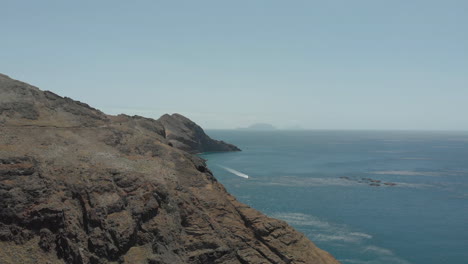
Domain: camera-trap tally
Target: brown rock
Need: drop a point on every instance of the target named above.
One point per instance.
(186, 135)
(79, 186)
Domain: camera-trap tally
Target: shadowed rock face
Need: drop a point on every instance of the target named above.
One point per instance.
(186, 135)
(79, 186)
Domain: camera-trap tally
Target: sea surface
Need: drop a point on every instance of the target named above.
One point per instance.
(326, 185)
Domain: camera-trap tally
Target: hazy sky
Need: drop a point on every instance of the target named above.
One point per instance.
(326, 64)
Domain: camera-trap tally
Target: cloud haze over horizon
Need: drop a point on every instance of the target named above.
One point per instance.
(337, 64)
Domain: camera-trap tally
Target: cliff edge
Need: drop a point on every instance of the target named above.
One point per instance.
(186, 135)
(80, 186)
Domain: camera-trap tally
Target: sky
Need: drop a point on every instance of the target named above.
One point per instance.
(335, 64)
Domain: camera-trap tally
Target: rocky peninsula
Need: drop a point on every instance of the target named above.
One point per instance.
(80, 186)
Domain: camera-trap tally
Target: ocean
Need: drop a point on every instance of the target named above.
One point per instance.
(375, 197)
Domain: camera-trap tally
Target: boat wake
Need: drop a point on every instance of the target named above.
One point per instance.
(237, 173)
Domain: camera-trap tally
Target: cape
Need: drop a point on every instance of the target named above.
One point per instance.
(80, 186)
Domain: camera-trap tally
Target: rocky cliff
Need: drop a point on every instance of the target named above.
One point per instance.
(186, 135)
(79, 186)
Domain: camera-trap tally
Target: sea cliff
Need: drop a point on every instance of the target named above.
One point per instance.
(80, 186)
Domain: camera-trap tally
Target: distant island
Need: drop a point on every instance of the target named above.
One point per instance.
(259, 127)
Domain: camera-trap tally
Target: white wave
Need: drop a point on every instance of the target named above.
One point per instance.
(302, 219)
(406, 173)
(386, 151)
(462, 196)
(379, 260)
(385, 255)
(415, 158)
(418, 173)
(413, 185)
(338, 234)
(343, 238)
(323, 230)
(292, 181)
(363, 235)
(378, 250)
(353, 261)
(237, 173)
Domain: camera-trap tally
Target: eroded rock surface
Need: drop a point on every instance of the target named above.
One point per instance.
(186, 135)
(79, 186)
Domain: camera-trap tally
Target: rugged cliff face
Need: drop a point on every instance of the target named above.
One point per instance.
(186, 135)
(79, 186)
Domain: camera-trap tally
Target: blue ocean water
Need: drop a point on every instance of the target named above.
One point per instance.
(326, 185)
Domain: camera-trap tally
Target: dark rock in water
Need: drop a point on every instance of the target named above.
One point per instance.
(79, 186)
(369, 181)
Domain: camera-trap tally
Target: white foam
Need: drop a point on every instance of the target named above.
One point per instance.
(343, 238)
(378, 250)
(339, 234)
(354, 261)
(363, 235)
(237, 173)
(302, 219)
(385, 255)
(413, 185)
(323, 230)
(309, 182)
(418, 173)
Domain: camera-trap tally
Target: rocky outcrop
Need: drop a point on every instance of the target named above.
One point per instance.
(79, 186)
(186, 135)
